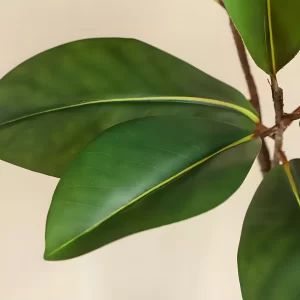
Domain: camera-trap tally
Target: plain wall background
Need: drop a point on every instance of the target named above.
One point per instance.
(194, 259)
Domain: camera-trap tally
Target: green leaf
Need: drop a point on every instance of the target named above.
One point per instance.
(54, 104)
(269, 251)
(269, 28)
(143, 174)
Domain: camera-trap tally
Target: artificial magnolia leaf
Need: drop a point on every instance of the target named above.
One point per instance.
(54, 104)
(269, 28)
(143, 174)
(269, 251)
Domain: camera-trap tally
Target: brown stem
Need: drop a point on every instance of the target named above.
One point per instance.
(254, 99)
(264, 132)
(264, 158)
(264, 155)
(297, 110)
(277, 95)
(289, 118)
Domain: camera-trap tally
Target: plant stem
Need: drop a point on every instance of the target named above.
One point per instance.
(254, 99)
(277, 95)
(289, 118)
(264, 155)
(264, 132)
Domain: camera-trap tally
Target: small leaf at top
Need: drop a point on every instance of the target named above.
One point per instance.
(269, 250)
(144, 174)
(269, 28)
(54, 104)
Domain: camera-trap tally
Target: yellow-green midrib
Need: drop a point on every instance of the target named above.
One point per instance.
(271, 34)
(194, 100)
(291, 179)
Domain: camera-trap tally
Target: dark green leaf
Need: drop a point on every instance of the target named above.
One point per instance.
(54, 104)
(269, 28)
(144, 174)
(269, 251)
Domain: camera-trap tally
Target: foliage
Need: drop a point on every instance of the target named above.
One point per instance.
(140, 139)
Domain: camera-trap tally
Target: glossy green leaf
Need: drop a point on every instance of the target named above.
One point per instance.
(143, 174)
(269, 28)
(54, 104)
(269, 251)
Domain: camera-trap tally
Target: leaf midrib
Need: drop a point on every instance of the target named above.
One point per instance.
(291, 180)
(208, 101)
(272, 47)
(153, 189)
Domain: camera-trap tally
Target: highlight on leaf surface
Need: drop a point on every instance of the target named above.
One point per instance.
(57, 102)
(269, 250)
(269, 28)
(137, 176)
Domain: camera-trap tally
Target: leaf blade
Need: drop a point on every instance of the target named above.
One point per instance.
(286, 33)
(250, 19)
(269, 248)
(268, 30)
(109, 69)
(177, 166)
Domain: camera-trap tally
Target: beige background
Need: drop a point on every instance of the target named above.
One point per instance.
(195, 259)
